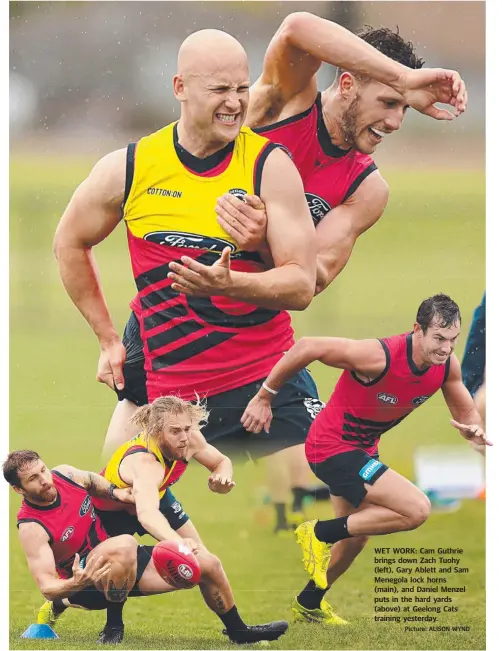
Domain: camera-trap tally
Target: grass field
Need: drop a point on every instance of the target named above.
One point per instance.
(431, 239)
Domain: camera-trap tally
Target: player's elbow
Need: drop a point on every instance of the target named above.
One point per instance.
(303, 291)
(293, 26)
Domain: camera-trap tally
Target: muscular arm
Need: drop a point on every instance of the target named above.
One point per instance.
(145, 474)
(92, 214)
(338, 231)
(291, 239)
(295, 54)
(210, 457)
(458, 398)
(35, 543)
(96, 485)
(365, 356)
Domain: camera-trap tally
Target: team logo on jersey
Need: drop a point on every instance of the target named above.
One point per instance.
(238, 192)
(67, 534)
(177, 508)
(86, 505)
(163, 192)
(182, 240)
(387, 398)
(313, 406)
(419, 400)
(317, 205)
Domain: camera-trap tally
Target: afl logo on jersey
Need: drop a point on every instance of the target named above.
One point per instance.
(67, 534)
(317, 205)
(86, 505)
(419, 400)
(387, 398)
(182, 240)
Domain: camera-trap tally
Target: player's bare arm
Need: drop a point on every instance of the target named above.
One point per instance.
(145, 474)
(35, 543)
(221, 469)
(465, 416)
(291, 238)
(338, 231)
(96, 485)
(92, 214)
(287, 85)
(365, 357)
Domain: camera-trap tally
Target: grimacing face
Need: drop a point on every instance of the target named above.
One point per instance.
(437, 344)
(376, 110)
(37, 484)
(176, 435)
(216, 103)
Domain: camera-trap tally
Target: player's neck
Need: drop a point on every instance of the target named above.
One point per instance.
(332, 112)
(416, 354)
(195, 142)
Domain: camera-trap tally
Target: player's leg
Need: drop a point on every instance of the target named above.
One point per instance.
(480, 404)
(310, 605)
(133, 394)
(217, 593)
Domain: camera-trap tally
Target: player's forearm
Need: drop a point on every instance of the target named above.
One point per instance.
(298, 357)
(466, 415)
(283, 288)
(333, 44)
(98, 486)
(80, 277)
(224, 468)
(59, 588)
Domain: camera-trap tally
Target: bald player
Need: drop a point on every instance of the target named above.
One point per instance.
(220, 341)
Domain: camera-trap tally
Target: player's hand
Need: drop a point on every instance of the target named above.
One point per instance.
(244, 220)
(96, 569)
(257, 415)
(473, 433)
(423, 88)
(189, 544)
(124, 495)
(220, 484)
(111, 364)
(196, 279)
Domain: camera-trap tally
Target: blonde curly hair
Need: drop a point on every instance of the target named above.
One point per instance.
(151, 417)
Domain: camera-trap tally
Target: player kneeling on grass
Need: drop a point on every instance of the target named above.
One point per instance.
(149, 464)
(383, 381)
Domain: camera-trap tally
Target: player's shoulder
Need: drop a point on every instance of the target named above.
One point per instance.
(373, 187)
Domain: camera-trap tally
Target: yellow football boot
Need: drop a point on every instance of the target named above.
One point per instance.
(316, 554)
(323, 615)
(47, 616)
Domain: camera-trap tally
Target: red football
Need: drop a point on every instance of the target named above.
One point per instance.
(176, 564)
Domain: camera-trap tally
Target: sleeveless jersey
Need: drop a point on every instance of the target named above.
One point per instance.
(193, 345)
(139, 444)
(70, 522)
(358, 413)
(330, 175)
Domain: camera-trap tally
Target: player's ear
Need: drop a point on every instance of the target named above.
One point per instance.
(18, 490)
(417, 330)
(346, 84)
(179, 88)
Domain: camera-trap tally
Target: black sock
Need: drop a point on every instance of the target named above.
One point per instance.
(58, 606)
(331, 531)
(280, 511)
(232, 620)
(299, 495)
(114, 614)
(311, 596)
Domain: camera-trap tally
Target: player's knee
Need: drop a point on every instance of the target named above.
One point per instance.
(210, 565)
(419, 514)
(124, 550)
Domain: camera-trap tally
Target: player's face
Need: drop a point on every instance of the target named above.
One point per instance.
(176, 436)
(216, 103)
(375, 112)
(437, 344)
(37, 484)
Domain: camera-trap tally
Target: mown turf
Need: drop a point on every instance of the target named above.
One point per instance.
(431, 239)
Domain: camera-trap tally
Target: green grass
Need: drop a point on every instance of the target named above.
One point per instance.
(431, 239)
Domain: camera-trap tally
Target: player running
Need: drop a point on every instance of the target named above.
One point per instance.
(60, 532)
(383, 381)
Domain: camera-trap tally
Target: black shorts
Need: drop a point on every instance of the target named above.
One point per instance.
(346, 473)
(294, 408)
(117, 523)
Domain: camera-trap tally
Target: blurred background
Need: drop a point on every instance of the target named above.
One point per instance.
(89, 77)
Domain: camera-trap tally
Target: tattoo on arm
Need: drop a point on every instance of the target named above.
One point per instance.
(220, 604)
(97, 486)
(115, 593)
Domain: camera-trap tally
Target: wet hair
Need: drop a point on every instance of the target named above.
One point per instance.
(16, 462)
(391, 44)
(151, 417)
(439, 309)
